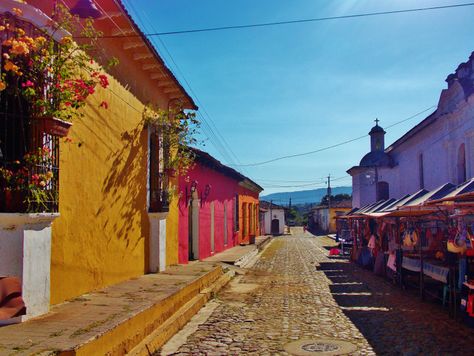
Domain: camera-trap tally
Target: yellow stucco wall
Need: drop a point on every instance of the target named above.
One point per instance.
(172, 240)
(332, 217)
(102, 233)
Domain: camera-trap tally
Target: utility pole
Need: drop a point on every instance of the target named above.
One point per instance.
(329, 191)
(289, 204)
(271, 216)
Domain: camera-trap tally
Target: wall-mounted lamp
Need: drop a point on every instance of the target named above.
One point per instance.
(85, 9)
(192, 188)
(207, 191)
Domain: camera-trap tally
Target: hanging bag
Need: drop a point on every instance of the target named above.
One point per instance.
(458, 244)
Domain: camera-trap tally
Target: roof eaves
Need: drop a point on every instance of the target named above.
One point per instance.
(152, 48)
(430, 119)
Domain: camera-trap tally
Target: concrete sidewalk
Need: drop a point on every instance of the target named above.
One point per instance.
(238, 255)
(137, 316)
(115, 320)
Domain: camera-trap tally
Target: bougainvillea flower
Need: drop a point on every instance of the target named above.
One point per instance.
(104, 105)
(17, 11)
(27, 84)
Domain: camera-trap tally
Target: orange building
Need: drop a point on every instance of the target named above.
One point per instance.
(249, 225)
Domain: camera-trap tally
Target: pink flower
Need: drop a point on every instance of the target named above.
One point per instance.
(27, 84)
(104, 105)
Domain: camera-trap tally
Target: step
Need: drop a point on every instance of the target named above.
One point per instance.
(116, 319)
(153, 342)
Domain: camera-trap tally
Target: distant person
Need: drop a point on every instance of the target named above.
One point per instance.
(304, 228)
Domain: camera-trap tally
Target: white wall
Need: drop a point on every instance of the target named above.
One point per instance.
(25, 252)
(276, 214)
(438, 142)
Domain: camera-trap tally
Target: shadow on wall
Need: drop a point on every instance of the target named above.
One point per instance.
(393, 321)
(124, 188)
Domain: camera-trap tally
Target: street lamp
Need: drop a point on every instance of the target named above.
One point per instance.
(85, 9)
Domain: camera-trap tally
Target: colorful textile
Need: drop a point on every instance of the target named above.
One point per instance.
(379, 265)
(391, 263)
(411, 264)
(440, 273)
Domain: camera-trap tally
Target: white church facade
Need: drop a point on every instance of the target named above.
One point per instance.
(440, 149)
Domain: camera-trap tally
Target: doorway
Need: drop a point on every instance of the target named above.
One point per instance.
(190, 232)
(193, 228)
(275, 227)
(212, 228)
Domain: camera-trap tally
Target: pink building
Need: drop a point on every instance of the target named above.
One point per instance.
(438, 150)
(213, 208)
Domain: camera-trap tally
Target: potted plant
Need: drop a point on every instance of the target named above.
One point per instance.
(53, 75)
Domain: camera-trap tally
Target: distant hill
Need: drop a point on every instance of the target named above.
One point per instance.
(304, 196)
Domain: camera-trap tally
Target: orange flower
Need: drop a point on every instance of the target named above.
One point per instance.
(19, 47)
(17, 11)
(40, 41)
(3, 86)
(9, 65)
(2, 28)
(66, 40)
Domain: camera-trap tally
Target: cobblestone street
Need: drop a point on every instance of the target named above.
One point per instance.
(296, 292)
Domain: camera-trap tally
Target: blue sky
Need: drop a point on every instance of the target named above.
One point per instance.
(282, 90)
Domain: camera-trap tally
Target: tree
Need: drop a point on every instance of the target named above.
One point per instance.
(336, 198)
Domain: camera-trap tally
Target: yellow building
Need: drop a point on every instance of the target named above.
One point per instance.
(322, 219)
(107, 231)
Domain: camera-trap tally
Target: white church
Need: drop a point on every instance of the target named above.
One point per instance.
(439, 150)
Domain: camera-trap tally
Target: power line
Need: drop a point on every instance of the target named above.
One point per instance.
(329, 147)
(298, 21)
(305, 185)
(209, 126)
(276, 181)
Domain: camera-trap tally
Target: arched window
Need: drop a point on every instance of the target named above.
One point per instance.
(383, 192)
(461, 166)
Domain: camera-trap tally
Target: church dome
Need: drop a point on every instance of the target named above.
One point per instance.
(376, 129)
(376, 158)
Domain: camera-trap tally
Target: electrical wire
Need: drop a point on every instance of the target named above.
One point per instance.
(298, 21)
(305, 185)
(211, 131)
(329, 147)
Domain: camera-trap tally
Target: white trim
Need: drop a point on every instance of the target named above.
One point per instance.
(157, 245)
(148, 162)
(34, 16)
(11, 221)
(25, 252)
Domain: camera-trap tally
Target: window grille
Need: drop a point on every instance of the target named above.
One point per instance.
(19, 136)
(158, 180)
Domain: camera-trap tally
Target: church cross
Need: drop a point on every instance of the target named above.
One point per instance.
(377, 122)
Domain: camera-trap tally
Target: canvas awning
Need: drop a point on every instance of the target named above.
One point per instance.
(464, 191)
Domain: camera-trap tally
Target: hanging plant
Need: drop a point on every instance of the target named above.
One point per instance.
(177, 129)
(55, 77)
